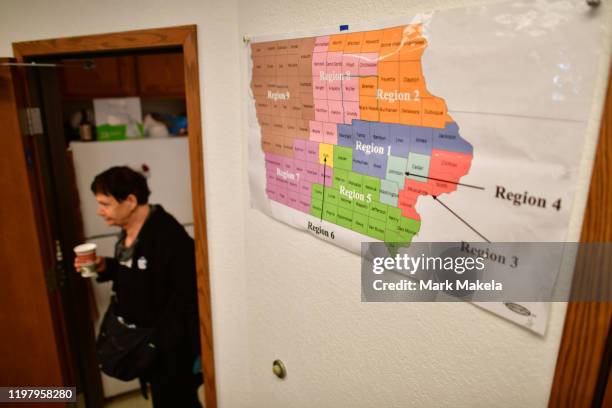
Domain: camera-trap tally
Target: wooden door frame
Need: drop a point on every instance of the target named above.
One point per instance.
(184, 37)
(583, 363)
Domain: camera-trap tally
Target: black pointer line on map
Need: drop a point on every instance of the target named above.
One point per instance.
(445, 181)
(323, 200)
(462, 220)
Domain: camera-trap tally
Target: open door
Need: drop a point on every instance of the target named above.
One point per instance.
(36, 347)
(30, 348)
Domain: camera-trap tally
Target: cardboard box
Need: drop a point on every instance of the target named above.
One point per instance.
(118, 118)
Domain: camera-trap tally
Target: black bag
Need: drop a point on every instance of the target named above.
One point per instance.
(124, 352)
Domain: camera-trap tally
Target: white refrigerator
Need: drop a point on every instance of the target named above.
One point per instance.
(168, 177)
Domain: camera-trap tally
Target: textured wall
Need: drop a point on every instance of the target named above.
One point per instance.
(279, 293)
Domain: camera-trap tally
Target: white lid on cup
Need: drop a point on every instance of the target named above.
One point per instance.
(85, 248)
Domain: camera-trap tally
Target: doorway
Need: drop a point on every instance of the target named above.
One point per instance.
(64, 231)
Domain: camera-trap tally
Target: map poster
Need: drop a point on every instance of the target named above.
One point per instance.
(457, 125)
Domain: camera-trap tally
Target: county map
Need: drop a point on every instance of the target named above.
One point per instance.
(350, 133)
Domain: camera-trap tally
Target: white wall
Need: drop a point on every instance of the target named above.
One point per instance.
(279, 293)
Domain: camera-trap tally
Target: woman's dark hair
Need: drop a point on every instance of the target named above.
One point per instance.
(120, 182)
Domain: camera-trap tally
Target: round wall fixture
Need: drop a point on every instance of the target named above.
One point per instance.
(279, 370)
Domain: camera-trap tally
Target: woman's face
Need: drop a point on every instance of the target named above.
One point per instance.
(115, 212)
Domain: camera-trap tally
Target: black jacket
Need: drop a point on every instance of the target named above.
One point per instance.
(160, 290)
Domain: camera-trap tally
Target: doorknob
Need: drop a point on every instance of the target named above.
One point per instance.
(279, 370)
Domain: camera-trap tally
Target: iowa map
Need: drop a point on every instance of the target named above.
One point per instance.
(350, 133)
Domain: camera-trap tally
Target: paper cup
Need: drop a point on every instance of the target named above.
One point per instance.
(86, 258)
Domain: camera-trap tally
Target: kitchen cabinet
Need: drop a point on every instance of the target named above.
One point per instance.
(99, 77)
(161, 75)
(148, 76)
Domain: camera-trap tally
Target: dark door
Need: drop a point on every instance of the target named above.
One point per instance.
(46, 336)
(30, 338)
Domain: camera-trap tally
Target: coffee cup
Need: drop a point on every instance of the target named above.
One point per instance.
(86, 259)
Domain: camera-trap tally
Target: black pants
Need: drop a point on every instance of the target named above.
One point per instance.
(172, 381)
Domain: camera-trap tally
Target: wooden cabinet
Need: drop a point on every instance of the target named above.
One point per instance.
(147, 76)
(99, 77)
(161, 75)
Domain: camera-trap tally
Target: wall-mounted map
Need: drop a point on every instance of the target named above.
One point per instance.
(458, 125)
(350, 132)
